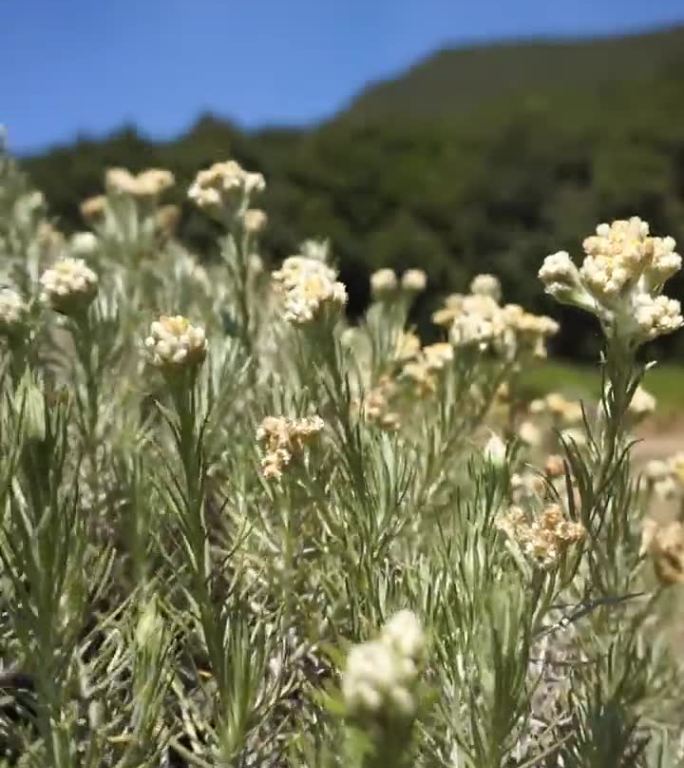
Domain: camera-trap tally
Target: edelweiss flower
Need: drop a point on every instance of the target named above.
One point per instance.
(643, 404)
(147, 184)
(620, 280)
(175, 344)
(254, 220)
(381, 676)
(284, 440)
(13, 312)
(68, 286)
(665, 543)
(546, 537)
(225, 187)
(93, 208)
(414, 280)
(308, 288)
(383, 283)
(83, 244)
(486, 285)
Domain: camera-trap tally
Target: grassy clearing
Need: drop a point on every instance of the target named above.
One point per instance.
(665, 382)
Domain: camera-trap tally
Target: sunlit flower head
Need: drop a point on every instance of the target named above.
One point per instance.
(414, 280)
(225, 188)
(486, 285)
(384, 283)
(283, 440)
(68, 286)
(620, 280)
(174, 344)
(381, 677)
(308, 288)
(13, 312)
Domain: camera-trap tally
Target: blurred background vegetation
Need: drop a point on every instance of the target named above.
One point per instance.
(475, 160)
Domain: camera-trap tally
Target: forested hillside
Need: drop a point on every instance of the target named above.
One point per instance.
(485, 159)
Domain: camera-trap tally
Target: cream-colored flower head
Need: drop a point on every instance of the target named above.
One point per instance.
(174, 344)
(381, 677)
(308, 288)
(529, 433)
(225, 188)
(69, 286)
(620, 280)
(495, 451)
(83, 244)
(384, 283)
(94, 208)
(284, 440)
(643, 403)
(414, 280)
(13, 312)
(149, 183)
(543, 538)
(664, 542)
(486, 285)
(254, 221)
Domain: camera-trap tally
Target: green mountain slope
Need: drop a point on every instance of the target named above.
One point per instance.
(454, 81)
(495, 187)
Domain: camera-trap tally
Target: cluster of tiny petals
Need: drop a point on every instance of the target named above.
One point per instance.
(254, 220)
(381, 676)
(308, 286)
(477, 319)
(13, 310)
(414, 280)
(559, 407)
(93, 208)
(620, 279)
(384, 282)
(642, 404)
(656, 316)
(146, 184)
(544, 538)
(283, 440)
(68, 285)
(225, 185)
(377, 404)
(664, 542)
(486, 285)
(175, 344)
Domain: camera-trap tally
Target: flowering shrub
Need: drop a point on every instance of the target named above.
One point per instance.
(238, 530)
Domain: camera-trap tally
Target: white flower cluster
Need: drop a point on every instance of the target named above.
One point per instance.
(477, 319)
(68, 286)
(308, 287)
(486, 285)
(83, 244)
(284, 440)
(544, 538)
(385, 284)
(175, 344)
(642, 404)
(620, 280)
(665, 477)
(664, 542)
(225, 187)
(254, 220)
(381, 676)
(146, 184)
(13, 311)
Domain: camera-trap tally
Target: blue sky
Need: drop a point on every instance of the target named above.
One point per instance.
(70, 66)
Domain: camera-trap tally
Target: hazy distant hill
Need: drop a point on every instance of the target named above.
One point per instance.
(456, 80)
(476, 160)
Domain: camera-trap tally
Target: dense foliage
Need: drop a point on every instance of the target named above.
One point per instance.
(252, 534)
